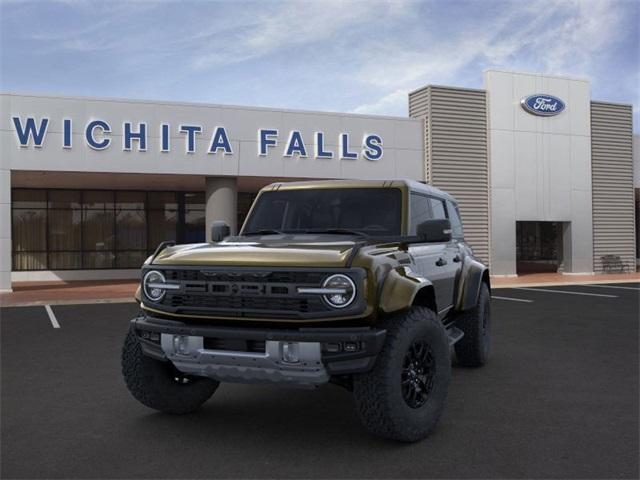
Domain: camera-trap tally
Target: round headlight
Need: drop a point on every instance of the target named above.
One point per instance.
(344, 290)
(153, 294)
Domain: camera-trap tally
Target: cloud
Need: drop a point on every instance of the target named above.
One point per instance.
(394, 103)
(290, 25)
(553, 37)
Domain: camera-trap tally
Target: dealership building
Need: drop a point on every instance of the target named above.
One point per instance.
(544, 174)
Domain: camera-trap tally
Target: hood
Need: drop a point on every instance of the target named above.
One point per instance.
(283, 251)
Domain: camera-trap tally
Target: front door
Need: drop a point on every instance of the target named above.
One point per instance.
(436, 262)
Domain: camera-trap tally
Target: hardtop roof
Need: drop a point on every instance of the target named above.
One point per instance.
(411, 184)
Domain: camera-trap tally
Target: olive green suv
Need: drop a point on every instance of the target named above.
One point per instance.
(365, 284)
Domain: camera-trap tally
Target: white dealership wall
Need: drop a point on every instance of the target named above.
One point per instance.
(402, 138)
(540, 166)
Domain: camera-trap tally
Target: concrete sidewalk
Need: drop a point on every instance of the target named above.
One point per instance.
(59, 293)
(119, 291)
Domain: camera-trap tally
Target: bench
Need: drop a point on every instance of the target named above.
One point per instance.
(613, 263)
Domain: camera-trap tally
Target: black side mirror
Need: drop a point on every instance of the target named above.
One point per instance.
(219, 231)
(438, 231)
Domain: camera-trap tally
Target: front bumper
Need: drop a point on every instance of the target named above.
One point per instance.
(223, 353)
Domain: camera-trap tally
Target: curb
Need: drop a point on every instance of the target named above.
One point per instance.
(42, 303)
(568, 284)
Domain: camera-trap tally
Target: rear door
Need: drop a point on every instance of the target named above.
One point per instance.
(450, 259)
(432, 260)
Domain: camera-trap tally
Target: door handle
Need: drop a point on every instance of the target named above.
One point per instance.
(441, 262)
(457, 259)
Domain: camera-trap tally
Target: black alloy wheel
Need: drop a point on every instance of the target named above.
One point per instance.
(418, 373)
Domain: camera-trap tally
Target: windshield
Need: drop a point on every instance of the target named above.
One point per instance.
(368, 211)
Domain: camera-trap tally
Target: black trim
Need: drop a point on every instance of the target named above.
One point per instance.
(316, 307)
(371, 339)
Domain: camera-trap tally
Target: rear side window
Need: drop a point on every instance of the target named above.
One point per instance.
(420, 211)
(437, 207)
(456, 223)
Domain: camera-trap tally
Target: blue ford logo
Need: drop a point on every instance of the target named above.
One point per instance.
(545, 105)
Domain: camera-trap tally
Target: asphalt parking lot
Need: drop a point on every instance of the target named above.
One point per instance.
(558, 399)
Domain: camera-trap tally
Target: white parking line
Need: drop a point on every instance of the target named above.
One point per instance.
(52, 317)
(612, 286)
(512, 299)
(567, 292)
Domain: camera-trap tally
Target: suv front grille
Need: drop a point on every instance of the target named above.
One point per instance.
(238, 292)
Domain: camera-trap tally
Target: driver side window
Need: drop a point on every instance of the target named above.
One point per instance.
(419, 210)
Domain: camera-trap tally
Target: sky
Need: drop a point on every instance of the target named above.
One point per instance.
(344, 56)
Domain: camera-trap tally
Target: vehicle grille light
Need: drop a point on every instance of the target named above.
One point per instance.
(344, 290)
(150, 285)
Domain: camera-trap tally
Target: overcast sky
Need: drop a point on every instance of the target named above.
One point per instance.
(346, 56)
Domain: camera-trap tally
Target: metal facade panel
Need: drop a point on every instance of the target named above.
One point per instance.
(456, 151)
(612, 180)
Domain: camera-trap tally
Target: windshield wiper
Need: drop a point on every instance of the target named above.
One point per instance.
(339, 231)
(265, 231)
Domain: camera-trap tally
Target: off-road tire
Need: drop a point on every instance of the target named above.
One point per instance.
(473, 349)
(378, 394)
(153, 382)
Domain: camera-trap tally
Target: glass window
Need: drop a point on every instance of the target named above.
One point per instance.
(131, 230)
(456, 223)
(64, 199)
(65, 260)
(132, 259)
(93, 229)
(162, 201)
(98, 199)
(65, 230)
(419, 210)
(30, 260)
(437, 208)
(374, 211)
(97, 230)
(29, 230)
(162, 227)
(194, 200)
(93, 260)
(194, 226)
(21, 198)
(130, 200)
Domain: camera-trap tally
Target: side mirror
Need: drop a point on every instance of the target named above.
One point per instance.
(438, 231)
(219, 231)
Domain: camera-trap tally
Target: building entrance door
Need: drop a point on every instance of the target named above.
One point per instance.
(538, 247)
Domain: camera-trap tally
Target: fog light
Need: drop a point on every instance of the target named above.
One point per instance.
(291, 352)
(181, 344)
(351, 347)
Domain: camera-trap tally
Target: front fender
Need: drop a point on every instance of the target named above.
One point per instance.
(138, 294)
(400, 289)
(471, 278)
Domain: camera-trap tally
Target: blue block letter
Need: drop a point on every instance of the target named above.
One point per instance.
(24, 134)
(219, 140)
(164, 138)
(264, 141)
(88, 134)
(191, 131)
(295, 144)
(66, 133)
(320, 151)
(345, 154)
(372, 147)
(140, 135)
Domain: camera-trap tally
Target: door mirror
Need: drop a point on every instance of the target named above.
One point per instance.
(437, 231)
(219, 231)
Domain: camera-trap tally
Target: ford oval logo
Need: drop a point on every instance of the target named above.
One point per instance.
(540, 104)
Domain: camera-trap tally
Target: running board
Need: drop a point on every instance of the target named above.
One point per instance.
(454, 334)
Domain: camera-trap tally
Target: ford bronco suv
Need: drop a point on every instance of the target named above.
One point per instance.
(365, 284)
